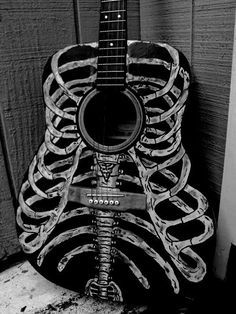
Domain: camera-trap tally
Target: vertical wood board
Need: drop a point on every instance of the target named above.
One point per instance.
(226, 232)
(30, 32)
(167, 21)
(8, 241)
(203, 31)
(213, 28)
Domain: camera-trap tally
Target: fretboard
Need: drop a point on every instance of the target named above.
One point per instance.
(112, 44)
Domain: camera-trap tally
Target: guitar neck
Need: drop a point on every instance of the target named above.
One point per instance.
(112, 47)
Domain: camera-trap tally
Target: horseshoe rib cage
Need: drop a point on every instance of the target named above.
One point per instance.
(150, 250)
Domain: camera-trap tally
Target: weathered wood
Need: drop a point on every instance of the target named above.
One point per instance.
(213, 24)
(203, 31)
(30, 32)
(133, 16)
(226, 232)
(8, 241)
(167, 21)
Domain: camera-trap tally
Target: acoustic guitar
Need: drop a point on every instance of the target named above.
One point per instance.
(106, 207)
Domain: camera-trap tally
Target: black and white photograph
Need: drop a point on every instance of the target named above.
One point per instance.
(117, 156)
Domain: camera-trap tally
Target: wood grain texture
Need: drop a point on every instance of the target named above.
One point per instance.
(213, 27)
(203, 31)
(133, 17)
(89, 19)
(167, 21)
(30, 32)
(8, 242)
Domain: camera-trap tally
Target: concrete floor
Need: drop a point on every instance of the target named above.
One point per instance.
(23, 290)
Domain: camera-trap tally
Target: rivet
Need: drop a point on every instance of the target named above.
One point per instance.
(106, 202)
(117, 203)
(101, 202)
(95, 202)
(111, 202)
(90, 201)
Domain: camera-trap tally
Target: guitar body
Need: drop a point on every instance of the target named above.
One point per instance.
(114, 215)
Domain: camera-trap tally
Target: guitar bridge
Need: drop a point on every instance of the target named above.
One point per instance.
(107, 199)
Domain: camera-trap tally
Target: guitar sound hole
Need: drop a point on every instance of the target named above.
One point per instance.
(110, 121)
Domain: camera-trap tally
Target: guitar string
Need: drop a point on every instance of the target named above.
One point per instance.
(119, 27)
(114, 44)
(108, 44)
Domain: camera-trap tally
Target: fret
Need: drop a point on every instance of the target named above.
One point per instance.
(110, 71)
(112, 36)
(120, 56)
(113, 30)
(110, 85)
(110, 1)
(111, 56)
(114, 65)
(113, 39)
(111, 64)
(112, 21)
(112, 48)
(112, 11)
(114, 73)
(111, 78)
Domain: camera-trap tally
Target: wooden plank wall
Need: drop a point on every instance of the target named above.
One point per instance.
(203, 31)
(8, 241)
(30, 32)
